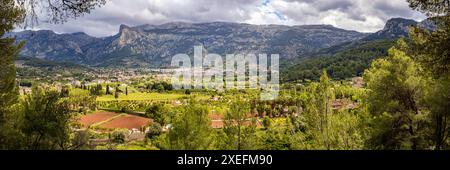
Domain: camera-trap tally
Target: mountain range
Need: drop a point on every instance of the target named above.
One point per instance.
(351, 58)
(154, 45)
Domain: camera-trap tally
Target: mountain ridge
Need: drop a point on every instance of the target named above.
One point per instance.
(150, 45)
(350, 59)
(154, 45)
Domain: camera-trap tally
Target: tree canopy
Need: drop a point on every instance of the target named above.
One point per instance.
(57, 11)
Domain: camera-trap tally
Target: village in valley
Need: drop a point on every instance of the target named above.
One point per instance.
(114, 105)
(378, 81)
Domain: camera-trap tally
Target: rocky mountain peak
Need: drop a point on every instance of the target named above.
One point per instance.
(126, 35)
(123, 27)
(398, 25)
(428, 24)
(155, 44)
(394, 28)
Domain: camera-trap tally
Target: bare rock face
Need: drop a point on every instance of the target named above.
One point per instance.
(154, 45)
(394, 28)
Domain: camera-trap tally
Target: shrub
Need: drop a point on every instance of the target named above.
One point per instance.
(118, 136)
(154, 130)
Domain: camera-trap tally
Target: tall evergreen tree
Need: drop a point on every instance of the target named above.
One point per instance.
(46, 120)
(239, 126)
(318, 110)
(116, 93)
(107, 90)
(395, 89)
(431, 7)
(10, 15)
(432, 51)
(191, 129)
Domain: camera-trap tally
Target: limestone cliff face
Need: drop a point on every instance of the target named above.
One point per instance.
(399, 27)
(154, 45)
(126, 36)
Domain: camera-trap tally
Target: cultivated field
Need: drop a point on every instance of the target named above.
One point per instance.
(109, 120)
(126, 122)
(91, 119)
(142, 96)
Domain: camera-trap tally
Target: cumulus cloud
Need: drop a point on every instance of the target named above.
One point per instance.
(364, 16)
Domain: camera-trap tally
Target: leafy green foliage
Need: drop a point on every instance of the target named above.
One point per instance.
(239, 127)
(431, 7)
(81, 101)
(37, 62)
(46, 120)
(395, 90)
(191, 130)
(347, 63)
(318, 109)
(159, 113)
(276, 138)
(431, 51)
(10, 15)
(160, 86)
(404, 105)
(96, 90)
(119, 136)
(116, 93)
(438, 100)
(154, 129)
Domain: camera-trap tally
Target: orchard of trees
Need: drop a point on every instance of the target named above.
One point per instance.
(405, 103)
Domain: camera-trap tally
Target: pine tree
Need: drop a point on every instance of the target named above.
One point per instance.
(431, 7)
(395, 89)
(96, 90)
(107, 90)
(10, 15)
(65, 91)
(116, 93)
(432, 51)
(327, 97)
(238, 126)
(191, 129)
(46, 120)
(318, 110)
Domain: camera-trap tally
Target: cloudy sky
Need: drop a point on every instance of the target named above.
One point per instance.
(359, 15)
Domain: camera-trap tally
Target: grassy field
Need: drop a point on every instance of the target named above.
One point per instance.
(147, 96)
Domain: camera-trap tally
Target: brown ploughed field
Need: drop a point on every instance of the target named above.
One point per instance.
(126, 122)
(90, 119)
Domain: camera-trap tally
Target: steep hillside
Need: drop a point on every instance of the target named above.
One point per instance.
(154, 45)
(351, 58)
